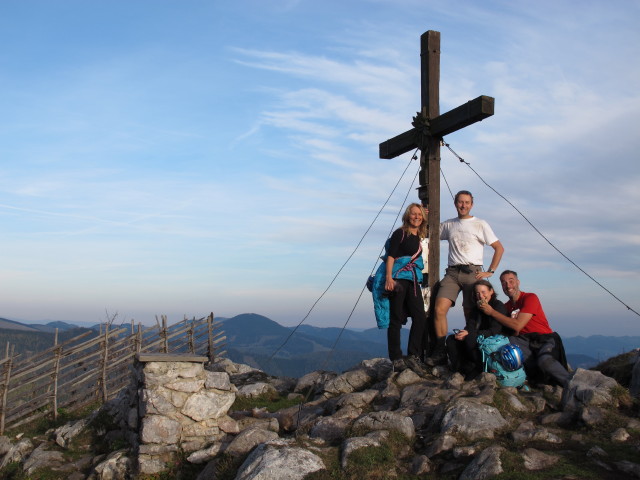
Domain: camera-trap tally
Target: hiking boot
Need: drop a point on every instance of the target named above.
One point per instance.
(415, 364)
(439, 354)
(438, 357)
(399, 365)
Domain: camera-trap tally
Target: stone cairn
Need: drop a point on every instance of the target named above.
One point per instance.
(181, 408)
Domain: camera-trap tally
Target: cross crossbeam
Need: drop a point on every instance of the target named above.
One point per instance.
(471, 112)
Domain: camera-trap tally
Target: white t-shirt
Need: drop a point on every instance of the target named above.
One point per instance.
(425, 254)
(467, 238)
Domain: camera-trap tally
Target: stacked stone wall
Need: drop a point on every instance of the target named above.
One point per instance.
(182, 408)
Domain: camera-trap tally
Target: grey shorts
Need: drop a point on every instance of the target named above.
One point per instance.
(455, 280)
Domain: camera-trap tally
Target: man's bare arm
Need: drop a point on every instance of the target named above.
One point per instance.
(515, 324)
(498, 250)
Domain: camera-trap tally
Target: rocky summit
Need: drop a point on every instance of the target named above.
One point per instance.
(367, 422)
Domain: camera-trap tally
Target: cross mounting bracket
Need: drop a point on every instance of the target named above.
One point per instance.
(422, 129)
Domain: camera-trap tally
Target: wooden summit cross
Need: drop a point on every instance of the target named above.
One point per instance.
(428, 129)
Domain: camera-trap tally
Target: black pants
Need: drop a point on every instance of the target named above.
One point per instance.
(406, 301)
(540, 363)
(464, 355)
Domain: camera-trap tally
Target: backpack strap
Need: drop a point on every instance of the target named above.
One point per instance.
(411, 267)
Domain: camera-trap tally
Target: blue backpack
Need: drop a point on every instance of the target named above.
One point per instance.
(503, 359)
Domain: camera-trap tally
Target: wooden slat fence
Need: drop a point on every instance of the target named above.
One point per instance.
(93, 367)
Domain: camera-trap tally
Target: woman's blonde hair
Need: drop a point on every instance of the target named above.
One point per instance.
(422, 229)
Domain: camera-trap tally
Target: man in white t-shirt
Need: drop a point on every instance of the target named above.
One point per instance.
(467, 236)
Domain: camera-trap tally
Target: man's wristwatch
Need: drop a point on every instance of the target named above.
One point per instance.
(491, 271)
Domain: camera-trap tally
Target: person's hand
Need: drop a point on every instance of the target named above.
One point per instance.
(485, 308)
(389, 284)
(481, 275)
(461, 334)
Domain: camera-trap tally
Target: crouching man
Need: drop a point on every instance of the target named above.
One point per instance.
(541, 346)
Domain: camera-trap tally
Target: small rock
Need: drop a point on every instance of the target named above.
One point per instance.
(372, 439)
(41, 458)
(420, 465)
(117, 466)
(486, 465)
(5, 444)
(620, 435)
(248, 439)
(442, 443)
(537, 460)
(387, 421)
(69, 431)
(527, 432)
(596, 452)
(271, 462)
(591, 415)
(17, 452)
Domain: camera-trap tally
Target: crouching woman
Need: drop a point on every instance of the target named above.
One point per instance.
(462, 347)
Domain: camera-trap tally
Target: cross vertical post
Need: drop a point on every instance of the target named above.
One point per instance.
(429, 176)
(429, 127)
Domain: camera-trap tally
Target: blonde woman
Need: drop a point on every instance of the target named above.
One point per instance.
(403, 276)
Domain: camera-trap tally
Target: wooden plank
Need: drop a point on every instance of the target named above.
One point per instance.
(39, 378)
(93, 341)
(471, 112)
(42, 400)
(44, 364)
(91, 376)
(29, 419)
(73, 373)
(149, 346)
(89, 361)
(79, 401)
(120, 349)
(399, 144)
(124, 358)
(205, 334)
(31, 369)
(119, 375)
(169, 357)
(117, 384)
(50, 350)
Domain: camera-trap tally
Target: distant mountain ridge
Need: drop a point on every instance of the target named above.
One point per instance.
(265, 344)
(6, 324)
(29, 339)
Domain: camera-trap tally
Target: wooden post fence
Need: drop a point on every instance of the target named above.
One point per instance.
(56, 371)
(8, 362)
(78, 372)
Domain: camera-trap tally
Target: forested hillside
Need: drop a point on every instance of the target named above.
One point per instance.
(27, 343)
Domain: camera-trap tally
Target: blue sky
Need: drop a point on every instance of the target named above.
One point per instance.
(180, 158)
